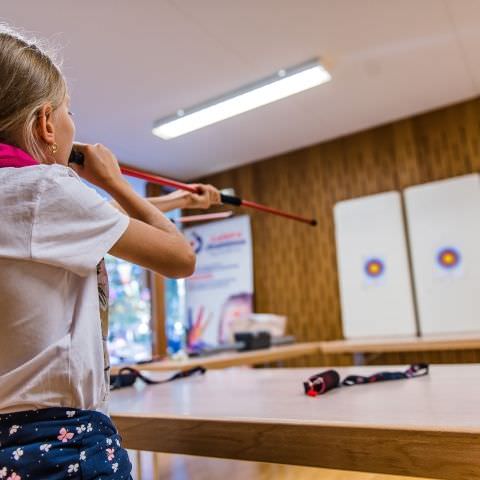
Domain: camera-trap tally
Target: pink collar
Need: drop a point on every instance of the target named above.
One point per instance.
(15, 157)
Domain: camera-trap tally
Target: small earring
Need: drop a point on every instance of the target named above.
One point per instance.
(53, 148)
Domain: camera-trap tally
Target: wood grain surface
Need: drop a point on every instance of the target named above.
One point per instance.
(233, 359)
(427, 427)
(327, 348)
(429, 343)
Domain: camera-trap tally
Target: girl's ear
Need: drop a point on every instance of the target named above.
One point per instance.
(45, 127)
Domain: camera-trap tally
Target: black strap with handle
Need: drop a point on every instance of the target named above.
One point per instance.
(415, 370)
(127, 376)
(322, 382)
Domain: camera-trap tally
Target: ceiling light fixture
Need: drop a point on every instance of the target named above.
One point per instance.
(284, 83)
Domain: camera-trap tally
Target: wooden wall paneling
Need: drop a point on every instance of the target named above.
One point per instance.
(472, 137)
(295, 265)
(406, 155)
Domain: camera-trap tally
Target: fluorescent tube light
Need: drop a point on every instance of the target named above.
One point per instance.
(281, 85)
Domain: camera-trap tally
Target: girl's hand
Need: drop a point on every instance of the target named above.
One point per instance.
(206, 197)
(100, 168)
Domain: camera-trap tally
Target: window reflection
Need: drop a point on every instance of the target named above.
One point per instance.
(130, 333)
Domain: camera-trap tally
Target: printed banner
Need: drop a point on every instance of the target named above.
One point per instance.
(220, 292)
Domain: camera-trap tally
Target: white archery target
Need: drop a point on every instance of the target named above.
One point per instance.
(444, 229)
(375, 287)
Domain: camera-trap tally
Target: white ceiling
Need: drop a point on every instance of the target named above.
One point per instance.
(129, 63)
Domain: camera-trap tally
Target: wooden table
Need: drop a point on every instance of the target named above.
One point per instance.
(403, 344)
(360, 346)
(235, 359)
(427, 427)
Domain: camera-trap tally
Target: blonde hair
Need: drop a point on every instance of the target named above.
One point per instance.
(29, 78)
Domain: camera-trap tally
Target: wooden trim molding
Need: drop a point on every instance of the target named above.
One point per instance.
(159, 347)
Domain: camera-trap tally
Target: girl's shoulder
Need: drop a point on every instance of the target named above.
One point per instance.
(35, 176)
(38, 179)
(29, 188)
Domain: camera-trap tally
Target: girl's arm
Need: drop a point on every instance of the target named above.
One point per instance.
(150, 240)
(206, 197)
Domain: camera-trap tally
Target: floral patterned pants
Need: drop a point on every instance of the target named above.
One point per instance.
(61, 443)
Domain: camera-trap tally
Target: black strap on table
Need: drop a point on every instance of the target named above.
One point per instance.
(127, 376)
(323, 382)
(415, 370)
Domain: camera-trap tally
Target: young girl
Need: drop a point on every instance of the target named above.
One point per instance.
(54, 233)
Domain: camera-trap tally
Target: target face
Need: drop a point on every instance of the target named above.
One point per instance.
(449, 258)
(374, 268)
